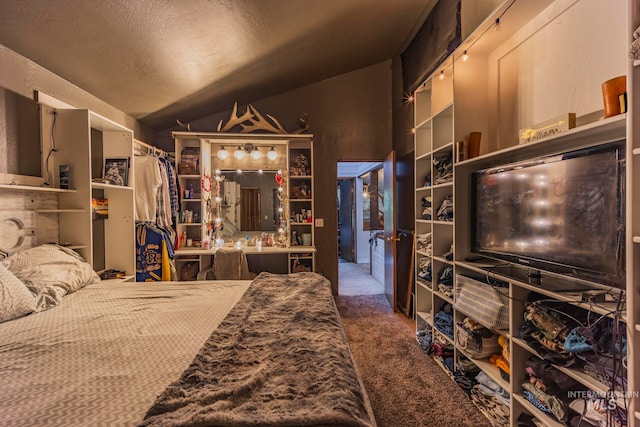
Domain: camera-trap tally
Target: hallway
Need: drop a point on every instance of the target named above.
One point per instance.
(354, 279)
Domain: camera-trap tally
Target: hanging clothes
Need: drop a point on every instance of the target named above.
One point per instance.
(153, 249)
(156, 206)
(147, 182)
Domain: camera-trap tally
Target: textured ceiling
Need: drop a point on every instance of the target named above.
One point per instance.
(158, 60)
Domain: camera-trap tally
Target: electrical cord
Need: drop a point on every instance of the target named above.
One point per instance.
(52, 150)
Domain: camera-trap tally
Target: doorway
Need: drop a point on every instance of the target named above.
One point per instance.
(250, 209)
(360, 236)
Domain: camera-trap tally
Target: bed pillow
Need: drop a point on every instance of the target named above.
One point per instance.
(15, 299)
(50, 272)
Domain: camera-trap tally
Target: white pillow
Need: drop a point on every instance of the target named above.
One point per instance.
(51, 272)
(15, 299)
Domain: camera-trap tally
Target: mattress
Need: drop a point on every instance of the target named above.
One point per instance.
(107, 351)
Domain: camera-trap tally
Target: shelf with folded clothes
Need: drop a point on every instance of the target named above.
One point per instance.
(442, 351)
(591, 383)
(561, 397)
(488, 368)
(581, 346)
(491, 397)
(533, 410)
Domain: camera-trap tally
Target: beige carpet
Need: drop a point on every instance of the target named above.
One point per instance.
(354, 279)
(405, 386)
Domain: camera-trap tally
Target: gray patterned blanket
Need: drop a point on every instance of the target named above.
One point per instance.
(280, 358)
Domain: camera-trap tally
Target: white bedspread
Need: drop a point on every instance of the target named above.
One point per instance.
(107, 351)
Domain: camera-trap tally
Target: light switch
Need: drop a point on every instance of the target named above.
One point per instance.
(319, 222)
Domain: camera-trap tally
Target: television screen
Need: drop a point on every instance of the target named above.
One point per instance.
(562, 213)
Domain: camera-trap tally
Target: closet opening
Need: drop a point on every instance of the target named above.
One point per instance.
(360, 228)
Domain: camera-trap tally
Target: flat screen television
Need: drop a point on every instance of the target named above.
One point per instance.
(562, 213)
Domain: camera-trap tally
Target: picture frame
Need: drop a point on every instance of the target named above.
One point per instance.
(116, 170)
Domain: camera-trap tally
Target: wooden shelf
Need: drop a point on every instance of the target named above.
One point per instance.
(34, 188)
(60, 210)
(103, 186)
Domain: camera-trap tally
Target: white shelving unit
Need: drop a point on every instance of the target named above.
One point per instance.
(483, 95)
(83, 140)
(633, 222)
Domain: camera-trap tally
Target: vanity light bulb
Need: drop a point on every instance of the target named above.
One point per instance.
(281, 230)
(238, 170)
(239, 153)
(222, 154)
(260, 171)
(218, 199)
(218, 220)
(272, 154)
(280, 209)
(256, 154)
(280, 189)
(218, 172)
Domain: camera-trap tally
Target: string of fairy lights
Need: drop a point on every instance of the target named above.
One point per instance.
(495, 25)
(215, 225)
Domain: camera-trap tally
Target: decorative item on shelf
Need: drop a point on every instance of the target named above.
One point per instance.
(116, 170)
(473, 149)
(282, 198)
(64, 171)
(189, 161)
(300, 166)
(548, 128)
(614, 94)
(99, 208)
(252, 121)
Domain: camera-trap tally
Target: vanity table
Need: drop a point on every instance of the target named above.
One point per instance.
(235, 188)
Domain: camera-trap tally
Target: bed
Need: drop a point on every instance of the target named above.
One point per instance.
(271, 351)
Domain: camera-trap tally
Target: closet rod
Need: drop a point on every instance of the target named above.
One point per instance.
(150, 148)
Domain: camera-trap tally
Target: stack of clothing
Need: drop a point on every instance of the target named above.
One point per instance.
(465, 375)
(445, 211)
(423, 243)
(426, 207)
(425, 338)
(443, 353)
(491, 399)
(445, 281)
(549, 389)
(424, 271)
(443, 320)
(443, 167)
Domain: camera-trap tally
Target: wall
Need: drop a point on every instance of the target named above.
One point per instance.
(24, 76)
(350, 118)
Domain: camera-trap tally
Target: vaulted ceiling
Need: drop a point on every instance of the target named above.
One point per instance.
(157, 60)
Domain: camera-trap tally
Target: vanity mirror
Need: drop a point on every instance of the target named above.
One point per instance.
(250, 202)
(253, 200)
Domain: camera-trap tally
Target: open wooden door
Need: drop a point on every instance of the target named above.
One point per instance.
(250, 210)
(346, 223)
(390, 238)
